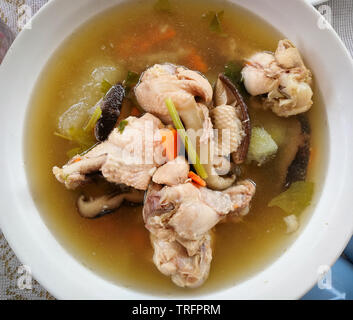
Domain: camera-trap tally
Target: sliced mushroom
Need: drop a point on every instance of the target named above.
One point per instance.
(111, 107)
(297, 170)
(226, 93)
(93, 208)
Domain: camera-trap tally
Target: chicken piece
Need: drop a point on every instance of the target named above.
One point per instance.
(241, 196)
(180, 219)
(261, 74)
(294, 96)
(232, 121)
(283, 77)
(230, 129)
(75, 173)
(191, 93)
(173, 172)
(288, 56)
(129, 158)
(192, 211)
(171, 259)
(178, 83)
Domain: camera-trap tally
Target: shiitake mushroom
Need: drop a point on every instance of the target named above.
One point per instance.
(297, 170)
(111, 108)
(91, 208)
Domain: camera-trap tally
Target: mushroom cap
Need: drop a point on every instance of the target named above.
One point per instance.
(111, 107)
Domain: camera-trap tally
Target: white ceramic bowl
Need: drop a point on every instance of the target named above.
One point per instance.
(321, 240)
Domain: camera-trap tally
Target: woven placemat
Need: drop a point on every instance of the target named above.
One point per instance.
(12, 12)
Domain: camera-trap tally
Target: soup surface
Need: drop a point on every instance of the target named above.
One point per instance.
(123, 39)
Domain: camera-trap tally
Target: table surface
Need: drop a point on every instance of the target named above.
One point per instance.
(342, 21)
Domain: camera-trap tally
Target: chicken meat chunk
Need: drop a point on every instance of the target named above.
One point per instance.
(180, 220)
(130, 157)
(171, 259)
(178, 83)
(281, 76)
(173, 172)
(192, 95)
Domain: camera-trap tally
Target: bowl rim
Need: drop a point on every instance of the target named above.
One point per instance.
(90, 285)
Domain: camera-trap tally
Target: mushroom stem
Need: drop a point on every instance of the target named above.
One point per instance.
(92, 208)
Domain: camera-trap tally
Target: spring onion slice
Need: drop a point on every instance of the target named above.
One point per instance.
(193, 156)
(62, 136)
(105, 86)
(92, 122)
(122, 125)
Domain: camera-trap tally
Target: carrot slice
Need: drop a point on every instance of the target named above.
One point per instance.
(170, 143)
(196, 62)
(141, 44)
(195, 178)
(135, 112)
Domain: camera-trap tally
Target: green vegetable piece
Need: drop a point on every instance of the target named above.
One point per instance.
(131, 80)
(163, 6)
(193, 156)
(295, 199)
(94, 118)
(105, 86)
(215, 25)
(122, 125)
(62, 136)
(84, 138)
(262, 146)
(232, 70)
(215, 19)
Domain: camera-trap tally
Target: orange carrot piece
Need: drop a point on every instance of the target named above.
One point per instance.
(168, 34)
(170, 143)
(135, 112)
(195, 184)
(77, 160)
(194, 177)
(141, 44)
(196, 62)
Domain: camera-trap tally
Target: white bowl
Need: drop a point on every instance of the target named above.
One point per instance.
(295, 272)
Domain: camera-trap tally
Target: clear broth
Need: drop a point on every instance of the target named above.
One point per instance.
(117, 246)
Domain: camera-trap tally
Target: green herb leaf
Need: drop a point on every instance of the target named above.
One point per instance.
(94, 118)
(62, 136)
(85, 139)
(295, 199)
(193, 156)
(131, 80)
(105, 86)
(122, 125)
(215, 25)
(232, 70)
(163, 6)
